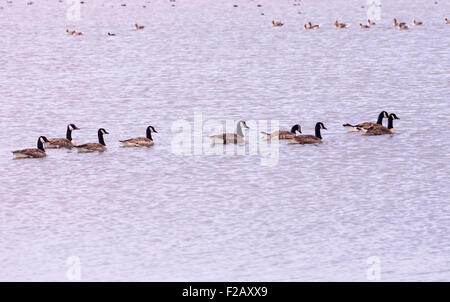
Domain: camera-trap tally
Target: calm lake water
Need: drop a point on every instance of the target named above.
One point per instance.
(339, 211)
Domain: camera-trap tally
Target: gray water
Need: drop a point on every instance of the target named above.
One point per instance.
(322, 213)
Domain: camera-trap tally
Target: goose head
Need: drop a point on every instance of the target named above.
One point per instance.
(393, 116)
(43, 139)
(151, 129)
(296, 128)
(243, 124)
(72, 127)
(320, 125)
(102, 131)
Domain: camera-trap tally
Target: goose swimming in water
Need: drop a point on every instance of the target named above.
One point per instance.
(137, 27)
(68, 142)
(309, 139)
(417, 22)
(94, 147)
(231, 138)
(311, 26)
(363, 25)
(340, 25)
(283, 134)
(365, 125)
(278, 23)
(370, 22)
(380, 129)
(398, 24)
(141, 141)
(33, 153)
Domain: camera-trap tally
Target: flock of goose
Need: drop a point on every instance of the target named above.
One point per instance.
(366, 128)
(307, 26)
(337, 24)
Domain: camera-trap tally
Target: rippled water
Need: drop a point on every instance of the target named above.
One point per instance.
(150, 215)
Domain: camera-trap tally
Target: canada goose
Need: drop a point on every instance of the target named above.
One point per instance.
(278, 23)
(141, 141)
(402, 26)
(70, 32)
(307, 138)
(33, 153)
(398, 24)
(340, 25)
(283, 134)
(417, 22)
(363, 25)
(93, 147)
(365, 125)
(111, 34)
(313, 26)
(380, 129)
(230, 138)
(138, 26)
(68, 143)
(370, 22)
(447, 21)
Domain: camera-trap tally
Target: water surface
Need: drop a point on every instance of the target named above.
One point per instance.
(149, 215)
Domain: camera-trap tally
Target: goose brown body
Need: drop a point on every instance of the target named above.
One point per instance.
(305, 139)
(137, 142)
(56, 143)
(283, 134)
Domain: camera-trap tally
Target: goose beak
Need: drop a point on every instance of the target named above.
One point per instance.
(325, 128)
(106, 132)
(155, 131)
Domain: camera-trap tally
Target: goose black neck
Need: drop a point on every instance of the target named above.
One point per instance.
(380, 118)
(100, 138)
(40, 145)
(149, 134)
(318, 131)
(69, 133)
(390, 122)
